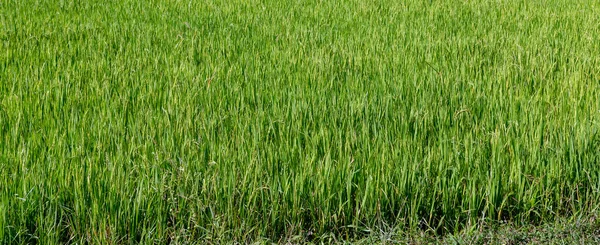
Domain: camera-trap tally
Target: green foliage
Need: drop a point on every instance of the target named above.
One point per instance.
(179, 121)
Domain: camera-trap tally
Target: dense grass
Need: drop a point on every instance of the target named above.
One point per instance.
(175, 121)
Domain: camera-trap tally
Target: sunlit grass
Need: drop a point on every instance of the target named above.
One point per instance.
(178, 121)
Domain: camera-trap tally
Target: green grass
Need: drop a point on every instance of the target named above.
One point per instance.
(226, 120)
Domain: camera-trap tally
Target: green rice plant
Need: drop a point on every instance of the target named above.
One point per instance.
(217, 121)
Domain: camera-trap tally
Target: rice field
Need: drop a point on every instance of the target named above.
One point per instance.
(219, 121)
